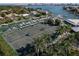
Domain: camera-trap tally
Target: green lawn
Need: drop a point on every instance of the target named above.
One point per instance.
(5, 49)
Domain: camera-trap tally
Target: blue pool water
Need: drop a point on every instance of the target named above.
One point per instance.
(57, 10)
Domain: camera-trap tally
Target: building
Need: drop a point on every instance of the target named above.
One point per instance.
(4, 11)
(74, 23)
(24, 15)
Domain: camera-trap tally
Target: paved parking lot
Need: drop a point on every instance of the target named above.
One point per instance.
(18, 38)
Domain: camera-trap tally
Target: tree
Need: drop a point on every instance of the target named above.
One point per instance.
(77, 36)
(3, 15)
(50, 22)
(41, 44)
(63, 29)
(57, 22)
(1, 53)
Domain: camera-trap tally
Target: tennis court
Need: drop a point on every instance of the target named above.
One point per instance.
(18, 38)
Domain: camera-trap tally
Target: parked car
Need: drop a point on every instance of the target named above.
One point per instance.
(27, 34)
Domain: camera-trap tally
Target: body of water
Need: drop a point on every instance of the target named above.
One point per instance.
(57, 10)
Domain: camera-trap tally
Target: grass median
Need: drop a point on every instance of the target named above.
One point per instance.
(5, 49)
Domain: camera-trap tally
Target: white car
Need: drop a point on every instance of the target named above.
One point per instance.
(21, 24)
(14, 28)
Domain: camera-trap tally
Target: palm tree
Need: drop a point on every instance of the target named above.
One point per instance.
(63, 29)
(41, 44)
